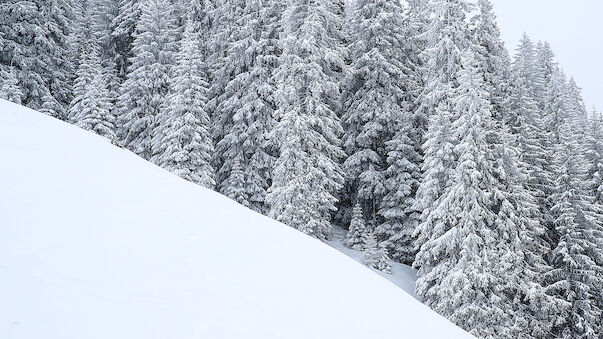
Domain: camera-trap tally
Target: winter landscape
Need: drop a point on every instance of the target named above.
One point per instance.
(292, 169)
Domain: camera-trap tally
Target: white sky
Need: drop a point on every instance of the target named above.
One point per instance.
(573, 28)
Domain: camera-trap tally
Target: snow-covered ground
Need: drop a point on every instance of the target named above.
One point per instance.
(97, 243)
(401, 275)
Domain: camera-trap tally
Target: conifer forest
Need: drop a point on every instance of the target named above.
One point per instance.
(408, 123)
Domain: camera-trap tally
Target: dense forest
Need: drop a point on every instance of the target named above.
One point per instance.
(407, 123)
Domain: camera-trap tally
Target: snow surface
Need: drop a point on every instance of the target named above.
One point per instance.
(98, 243)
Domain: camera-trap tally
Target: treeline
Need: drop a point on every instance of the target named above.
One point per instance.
(407, 123)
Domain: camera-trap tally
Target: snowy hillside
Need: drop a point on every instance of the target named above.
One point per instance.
(97, 243)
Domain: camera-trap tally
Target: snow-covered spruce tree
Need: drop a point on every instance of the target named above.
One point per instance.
(247, 104)
(222, 33)
(574, 277)
(594, 187)
(374, 96)
(446, 37)
(102, 18)
(516, 210)
(34, 42)
(50, 106)
(403, 150)
(182, 143)
(123, 28)
(493, 58)
(375, 256)
(545, 67)
(397, 206)
(461, 275)
(527, 122)
(357, 234)
(577, 108)
(307, 173)
(144, 91)
(9, 89)
(91, 108)
(83, 46)
(524, 64)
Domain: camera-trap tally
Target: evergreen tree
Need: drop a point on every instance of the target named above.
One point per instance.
(473, 245)
(307, 173)
(357, 235)
(376, 256)
(182, 142)
(9, 90)
(143, 93)
(92, 107)
(530, 126)
(446, 38)
(402, 179)
(123, 28)
(574, 277)
(50, 106)
(492, 57)
(247, 104)
(374, 98)
(34, 43)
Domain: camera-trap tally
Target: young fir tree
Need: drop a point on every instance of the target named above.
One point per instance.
(34, 43)
(375, 256)
(403, 172)
(145, 89)
(182, 143)
(91, 108)
(247, 104)
(9, 89)
(357, 235)
(446, 38)
(307, 173)
(373, 99)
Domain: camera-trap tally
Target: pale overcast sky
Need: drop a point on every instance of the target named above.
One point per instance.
(573, 28)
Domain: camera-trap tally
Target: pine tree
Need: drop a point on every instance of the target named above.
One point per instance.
(307, 173)
(182, 142)
(358, 233)
(9, 90)
(247, 104)
(34, 43)
(143, 93)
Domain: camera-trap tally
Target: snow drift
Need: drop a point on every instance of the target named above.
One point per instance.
(98, 243)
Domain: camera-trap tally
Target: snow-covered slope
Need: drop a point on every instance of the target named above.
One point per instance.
(97, 243)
